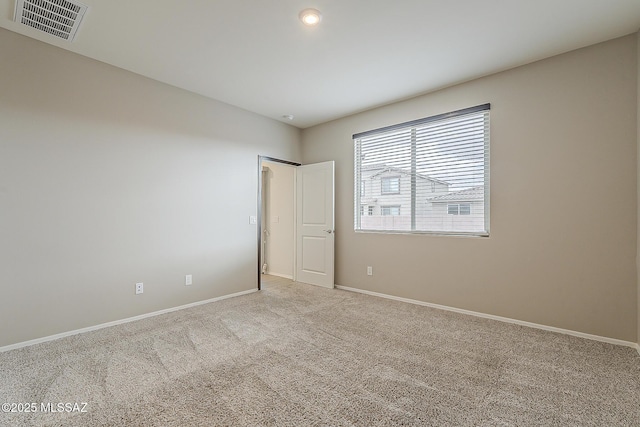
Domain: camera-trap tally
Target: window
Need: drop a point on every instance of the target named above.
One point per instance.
(443, 163)
(459, 209)
(390, 185)
(390, 210)
(361, 210)
(362, 188)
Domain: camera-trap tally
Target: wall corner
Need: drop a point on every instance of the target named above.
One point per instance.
(638, 187)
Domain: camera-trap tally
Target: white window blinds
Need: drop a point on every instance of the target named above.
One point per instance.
(424, 168)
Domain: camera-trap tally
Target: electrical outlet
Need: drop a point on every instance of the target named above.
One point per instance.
(369, 271)
(139, 288)
(188, 280)
(253, 219)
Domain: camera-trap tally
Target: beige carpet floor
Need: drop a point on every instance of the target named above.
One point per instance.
(298, 355)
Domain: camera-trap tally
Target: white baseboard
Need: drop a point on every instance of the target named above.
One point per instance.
(498, 318)
(284, 276)
(119, 322)
(638, 348)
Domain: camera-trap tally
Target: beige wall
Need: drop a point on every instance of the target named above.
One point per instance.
(108, 179)
(563, 198)
(280, 218)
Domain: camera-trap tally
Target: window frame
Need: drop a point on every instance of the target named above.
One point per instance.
(382, 209)
(389, 178)
(485, 109)
(459, 208)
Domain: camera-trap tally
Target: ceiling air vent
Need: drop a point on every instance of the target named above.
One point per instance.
(60, 18)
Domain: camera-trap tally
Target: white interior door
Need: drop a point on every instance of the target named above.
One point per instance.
(315, 224)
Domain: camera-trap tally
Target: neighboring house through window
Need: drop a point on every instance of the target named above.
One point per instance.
(370, 210)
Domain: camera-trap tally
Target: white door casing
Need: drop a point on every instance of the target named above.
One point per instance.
(315, 224)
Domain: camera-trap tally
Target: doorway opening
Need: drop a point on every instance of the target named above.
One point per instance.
(307, 221)
(276, 218)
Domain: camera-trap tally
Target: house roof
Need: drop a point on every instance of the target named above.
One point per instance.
(468, 194)
(384, 168)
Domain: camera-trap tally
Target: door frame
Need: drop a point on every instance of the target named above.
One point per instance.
(259, 216)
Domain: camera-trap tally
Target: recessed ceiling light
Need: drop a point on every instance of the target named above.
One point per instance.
(310, 17)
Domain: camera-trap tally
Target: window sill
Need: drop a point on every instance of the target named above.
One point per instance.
(424, 233)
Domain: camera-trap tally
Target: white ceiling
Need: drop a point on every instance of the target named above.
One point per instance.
(257, 55)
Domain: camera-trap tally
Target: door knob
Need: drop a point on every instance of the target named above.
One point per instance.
(328, 231)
